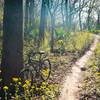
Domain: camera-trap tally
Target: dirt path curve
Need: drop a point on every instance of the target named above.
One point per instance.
(73, 80)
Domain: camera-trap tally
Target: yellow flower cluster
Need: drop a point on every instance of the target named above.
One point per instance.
(19, 83)
(45, 72)
(27, 84)
(15, 79)
(60, 42)
(5, 88)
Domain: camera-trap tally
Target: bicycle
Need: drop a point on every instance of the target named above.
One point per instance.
(36, 68)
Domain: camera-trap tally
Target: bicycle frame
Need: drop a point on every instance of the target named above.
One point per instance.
(36, 64)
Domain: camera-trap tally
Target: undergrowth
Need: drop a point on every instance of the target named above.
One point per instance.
(36, 91)
(79, 41)
(44, 90)
(91, 85)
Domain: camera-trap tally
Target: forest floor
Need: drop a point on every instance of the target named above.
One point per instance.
(67, 72)
(72, 81)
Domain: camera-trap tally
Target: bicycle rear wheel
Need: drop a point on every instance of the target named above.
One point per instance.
(45, 69)
(26, 74)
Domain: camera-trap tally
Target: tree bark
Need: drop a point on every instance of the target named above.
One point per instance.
(31, 13)
(52, 31)
(98, 21)
(66, 13)
(62, 13)
(80, 22)
(26, 17)
(43, 19)
(91, 5)
(12, 55)
(88, 19)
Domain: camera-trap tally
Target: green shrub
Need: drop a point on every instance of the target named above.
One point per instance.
(95, 31)
(60, 32)
(79, 41)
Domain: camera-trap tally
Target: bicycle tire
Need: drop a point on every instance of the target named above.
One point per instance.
(43, 68)
(26, 74)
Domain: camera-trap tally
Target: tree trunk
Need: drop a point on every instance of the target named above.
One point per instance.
(62, 13)
(52, 31)
(98, 21)
(80, 22)
(31, 13)
(43, 20)
(66, 13)
(91, 5)
(12, 55)
(26, 17)
(70, 17)
(88, 19)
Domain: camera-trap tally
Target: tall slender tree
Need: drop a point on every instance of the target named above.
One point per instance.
(26, 17)
(43, 20)
(31, 14)
(80, 22)
(98, 20)
(66, 13)
(52, 31)
(91, 6)
(53, 6)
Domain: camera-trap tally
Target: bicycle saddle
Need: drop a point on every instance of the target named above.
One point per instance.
(36, 52)
(41, 52)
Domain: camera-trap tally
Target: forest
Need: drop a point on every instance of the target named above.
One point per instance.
(49, 49)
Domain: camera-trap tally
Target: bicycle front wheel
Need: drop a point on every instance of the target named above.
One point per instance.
(45, 69)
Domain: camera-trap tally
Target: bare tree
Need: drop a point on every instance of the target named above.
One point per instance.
(98, 20)
(91, 6)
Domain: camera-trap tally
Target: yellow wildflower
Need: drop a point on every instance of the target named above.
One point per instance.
(43, 87)
(45, 72)
(37, 89)
(33, 87)
(43, 83)
(98, 73)
(25, 86)
(15, 79)
(5, 88)
(19, 79)
(47, 89)
(60, 41)
(19, 83)
(27, 82)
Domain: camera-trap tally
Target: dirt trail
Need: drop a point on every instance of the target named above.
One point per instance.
(73, 80)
